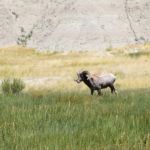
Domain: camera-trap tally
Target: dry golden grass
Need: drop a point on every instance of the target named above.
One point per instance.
(132, 69)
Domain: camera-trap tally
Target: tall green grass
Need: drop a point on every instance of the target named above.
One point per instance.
(74, 120)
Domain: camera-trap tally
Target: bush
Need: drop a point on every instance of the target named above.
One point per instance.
(17, 86)
(12, 87)
(24, 37)
(6, 86)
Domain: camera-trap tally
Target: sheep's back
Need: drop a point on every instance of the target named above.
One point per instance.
(106, 79)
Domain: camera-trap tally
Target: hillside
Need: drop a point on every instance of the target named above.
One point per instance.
(74, 25)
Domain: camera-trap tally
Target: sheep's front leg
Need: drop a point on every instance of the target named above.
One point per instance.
(92, 91)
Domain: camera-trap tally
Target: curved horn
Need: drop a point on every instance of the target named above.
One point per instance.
(78, 72)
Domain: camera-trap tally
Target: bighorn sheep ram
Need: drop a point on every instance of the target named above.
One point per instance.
(96, 82)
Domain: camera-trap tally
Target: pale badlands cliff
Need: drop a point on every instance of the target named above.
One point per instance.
(62, 25)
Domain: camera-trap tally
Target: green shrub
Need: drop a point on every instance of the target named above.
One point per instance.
(24, 37)
(6, 86)
(14, 86)
(17, 86)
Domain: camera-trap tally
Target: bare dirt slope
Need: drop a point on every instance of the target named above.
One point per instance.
(74, 25)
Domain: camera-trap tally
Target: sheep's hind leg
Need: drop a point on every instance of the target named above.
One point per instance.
(113, 90)
(99, 92)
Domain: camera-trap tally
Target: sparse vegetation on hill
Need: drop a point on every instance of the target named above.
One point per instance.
(74, 25)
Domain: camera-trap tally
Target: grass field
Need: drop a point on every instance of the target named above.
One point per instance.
(62, 115)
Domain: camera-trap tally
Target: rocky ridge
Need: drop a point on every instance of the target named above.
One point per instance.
(63, 25)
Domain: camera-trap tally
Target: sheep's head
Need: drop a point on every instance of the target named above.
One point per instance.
(82, 76)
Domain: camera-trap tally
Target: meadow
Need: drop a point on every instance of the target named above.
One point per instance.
(58, 114)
